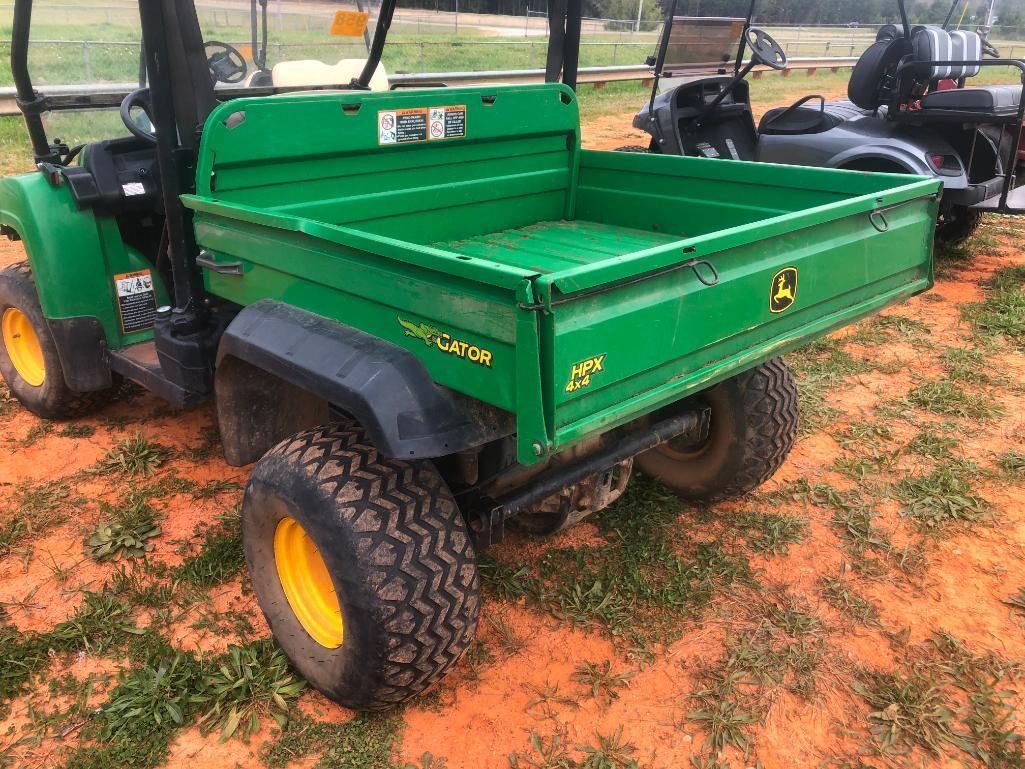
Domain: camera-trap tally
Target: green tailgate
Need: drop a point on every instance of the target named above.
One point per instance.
(548, 281)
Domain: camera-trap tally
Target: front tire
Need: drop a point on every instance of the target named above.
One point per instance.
(362, 565)
(754, 420)
(29, 361)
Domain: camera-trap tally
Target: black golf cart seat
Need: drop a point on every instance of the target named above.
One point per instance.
(865, 92)
(874, 76)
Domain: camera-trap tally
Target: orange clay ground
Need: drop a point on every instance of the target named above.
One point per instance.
(865, 608)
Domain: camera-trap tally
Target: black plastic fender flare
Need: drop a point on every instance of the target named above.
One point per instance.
(280, 367)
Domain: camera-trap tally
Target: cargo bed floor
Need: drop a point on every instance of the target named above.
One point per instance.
(552, 246)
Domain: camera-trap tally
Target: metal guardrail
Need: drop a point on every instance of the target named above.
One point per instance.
(597, 76)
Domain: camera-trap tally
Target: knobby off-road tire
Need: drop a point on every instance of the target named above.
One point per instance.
(754, 419)
(957, 225)
(397, 553)
(32, 367)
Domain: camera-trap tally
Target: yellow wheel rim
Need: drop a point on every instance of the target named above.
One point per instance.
(22, 346)
(307, 584)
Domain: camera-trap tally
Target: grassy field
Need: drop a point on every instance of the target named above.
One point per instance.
(865, 609)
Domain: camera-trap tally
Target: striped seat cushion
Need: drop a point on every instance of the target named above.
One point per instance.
(933, 43)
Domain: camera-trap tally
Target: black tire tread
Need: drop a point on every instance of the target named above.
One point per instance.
(772, 405)
(72, 403)
(421, 565)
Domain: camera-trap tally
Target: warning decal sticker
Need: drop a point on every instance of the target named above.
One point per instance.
(136, 300)
(421, 124)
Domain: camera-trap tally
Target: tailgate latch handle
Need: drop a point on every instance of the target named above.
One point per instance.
(878, 220)
(698, 266)
(205, 259)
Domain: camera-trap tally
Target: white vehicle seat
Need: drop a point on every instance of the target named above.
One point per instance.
(291, 74)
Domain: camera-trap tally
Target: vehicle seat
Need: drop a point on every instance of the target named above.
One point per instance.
(933, 43)
(290, 74)
(991, 100)
(809, 120)
(867, 86)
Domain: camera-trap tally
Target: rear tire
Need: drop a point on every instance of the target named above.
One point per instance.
(957, 224)
(29, 361)
(396, 566)
(753, 427)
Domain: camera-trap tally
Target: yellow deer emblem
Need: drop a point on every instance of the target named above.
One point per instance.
(784, 289)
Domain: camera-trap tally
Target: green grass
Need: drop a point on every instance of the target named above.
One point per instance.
(942, 497)
(365, 742)
(1013, 464)
(218, 559)
(946, 398)
(839, 594)
(1002, 312)
(35, 509)
(907, 710)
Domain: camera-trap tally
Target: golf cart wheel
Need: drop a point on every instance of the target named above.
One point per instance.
(362, 565)
(28, 355)
(957, 224)
(753, 427)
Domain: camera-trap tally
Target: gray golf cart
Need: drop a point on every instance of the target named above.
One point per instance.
(909, 110)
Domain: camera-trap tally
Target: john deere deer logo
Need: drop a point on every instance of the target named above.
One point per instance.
(784, 289)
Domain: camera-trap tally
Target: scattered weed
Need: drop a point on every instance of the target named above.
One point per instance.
(547, 753)
(942, 497)
(839, 594)
(218, 559)
(77, 431)
(134, 456)
(213, 488)
(37, 432)
(770, 533)
(1013, 464)
(932, 445)
(1002, 312)
(509, 643)
(611, 752)
(249, 682)
(946, 398)
(964, 364)
(126, 533)
(151, 700)
(1017, 601)
(546, 699)
(907, 710)
(365, 742)
(603, 684)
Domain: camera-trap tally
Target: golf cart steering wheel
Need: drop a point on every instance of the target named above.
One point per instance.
(765, 50)
(227, 64)
(139, 98)
(989, 49)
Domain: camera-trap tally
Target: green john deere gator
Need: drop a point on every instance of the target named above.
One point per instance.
(424, 314)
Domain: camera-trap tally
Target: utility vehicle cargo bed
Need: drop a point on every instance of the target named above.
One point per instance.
(577, 289)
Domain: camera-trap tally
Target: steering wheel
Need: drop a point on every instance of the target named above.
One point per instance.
(227, 64)
(989, 49)
(765, 50)
(139, 98)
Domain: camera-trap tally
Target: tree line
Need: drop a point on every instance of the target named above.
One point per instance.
(866, 12)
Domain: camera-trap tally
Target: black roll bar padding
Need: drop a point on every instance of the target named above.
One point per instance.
(31, 103)
(909, 63)
(743, 38)
(904, 20)
(171, 157)
(557, 10)
(572, 44)
(377, 46)
(660, 62)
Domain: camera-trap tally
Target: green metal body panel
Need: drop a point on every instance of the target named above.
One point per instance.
(568, 268)
(74, 254)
